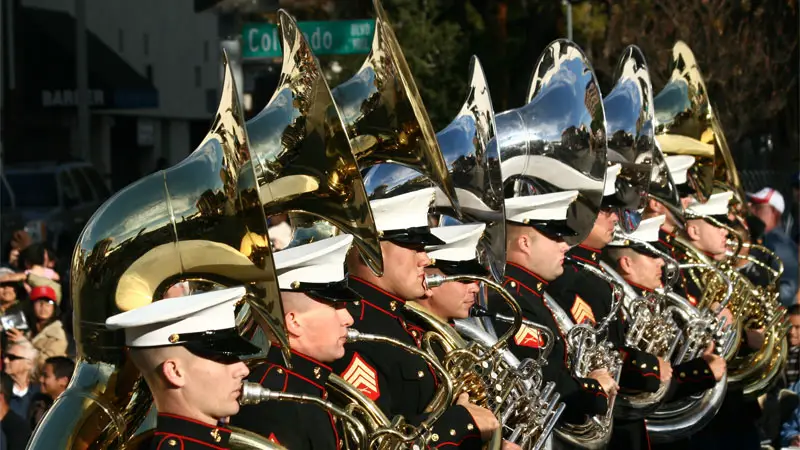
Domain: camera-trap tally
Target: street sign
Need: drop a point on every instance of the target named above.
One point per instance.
(340, 37)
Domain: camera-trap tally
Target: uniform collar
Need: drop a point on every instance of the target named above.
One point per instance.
(525, 277)
(586, 254)
(666, 238)
(303, 366)
(384, 301)
(639, 288)
(195, 430)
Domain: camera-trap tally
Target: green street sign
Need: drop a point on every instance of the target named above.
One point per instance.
(340, 37)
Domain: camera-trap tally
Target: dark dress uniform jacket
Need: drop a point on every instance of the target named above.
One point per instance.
(581, 396)
(294, 425)
(400, 383)
(182, 433)
(586, 297)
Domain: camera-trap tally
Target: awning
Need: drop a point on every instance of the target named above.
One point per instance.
(46, 53)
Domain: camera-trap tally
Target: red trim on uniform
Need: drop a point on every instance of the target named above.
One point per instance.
(379, 309)
(529, 272)
(361, 280)
(187, 438)
(188, 419)
(168, 436)
(646, 289)
(457, 444)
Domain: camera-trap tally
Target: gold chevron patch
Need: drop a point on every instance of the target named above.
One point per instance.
(528, 337)
(363, 377)
(581, 311)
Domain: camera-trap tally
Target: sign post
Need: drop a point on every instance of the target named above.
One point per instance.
(342, 37)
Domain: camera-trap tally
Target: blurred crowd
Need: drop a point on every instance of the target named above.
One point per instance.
(37, 351)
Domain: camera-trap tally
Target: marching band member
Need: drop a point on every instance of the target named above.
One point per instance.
(535, 249)
(642, 270)
(458, 255)
(190, 354)
(399, 382)
(314, 294)
(588, 298)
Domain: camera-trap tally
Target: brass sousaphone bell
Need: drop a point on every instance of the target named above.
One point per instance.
(686, 122)
(201, 220)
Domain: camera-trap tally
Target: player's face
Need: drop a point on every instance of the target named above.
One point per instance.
(215, 386)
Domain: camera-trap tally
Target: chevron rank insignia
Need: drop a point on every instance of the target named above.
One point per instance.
(273, 438)
(528, 337)
(581, 311)
(363, 377)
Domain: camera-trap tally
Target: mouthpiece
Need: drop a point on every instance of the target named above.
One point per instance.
(479, 311)
(352, 334)
(434, 280)
(254, 393)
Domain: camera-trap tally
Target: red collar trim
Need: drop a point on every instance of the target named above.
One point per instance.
(638, 286)
(528, 272)
(389, 294)
(591, 249)
(188, 419)
(304, 356)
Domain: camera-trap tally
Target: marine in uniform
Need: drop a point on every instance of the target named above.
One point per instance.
(535, 250)
(588, 298)
(401, 383)
(190, 354)
(642, 270)
(314, 295)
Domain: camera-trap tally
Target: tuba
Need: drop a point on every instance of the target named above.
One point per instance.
(630, 122)
(556, 142)
(201, 219)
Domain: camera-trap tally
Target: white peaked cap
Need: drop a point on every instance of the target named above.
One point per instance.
(162, 322)
(678, 166)
(647, 231)
(317, 262)
(716, 205)
(404, 211)
(461, 242)
(552, 206)
(612, 172)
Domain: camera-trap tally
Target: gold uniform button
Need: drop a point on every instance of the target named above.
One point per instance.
(172, 442)
(586, 385)
(357, 302)
(434, 437)
(644, 365)
(539, 286)
(705, 371)
(633, 362)
(513, 284)
(452, 432)
(683, 374)
(470, 426)
(420, 373)
(594, 256)
(280, 371)
(694, 372)
(655, 368)
(215, 435)
(317, 372)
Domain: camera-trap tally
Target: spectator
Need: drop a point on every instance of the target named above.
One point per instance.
(35, 260)
(47, 333)
(54, 378)
(768, 205)
(18, 363)
(793, 360)
(14, 430)
(19, 241)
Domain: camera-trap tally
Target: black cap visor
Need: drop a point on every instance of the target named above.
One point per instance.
(335, 292)
(685, 190)
(553, 229)
(215, 344)
(638, 247)
(471, 267)
(412, 237)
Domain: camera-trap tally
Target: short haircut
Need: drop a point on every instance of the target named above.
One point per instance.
(6, 386)
(62, 366)
(794, 310)
(33, 254)
(614, 254)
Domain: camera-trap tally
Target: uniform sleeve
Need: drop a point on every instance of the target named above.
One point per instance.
(692, 377)
(455, 429)
(640, 370)
(369, 377)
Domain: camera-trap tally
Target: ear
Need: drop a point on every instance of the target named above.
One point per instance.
(293, 324)
(693, 231)
(174, 373)
(655, 206)
(525, 243)
(626, 264)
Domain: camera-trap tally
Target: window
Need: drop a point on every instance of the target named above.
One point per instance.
(120, 40)
(198, 76)
(34, 190)
(146, 44)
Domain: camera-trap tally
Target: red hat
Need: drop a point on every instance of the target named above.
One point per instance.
(40, 292)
